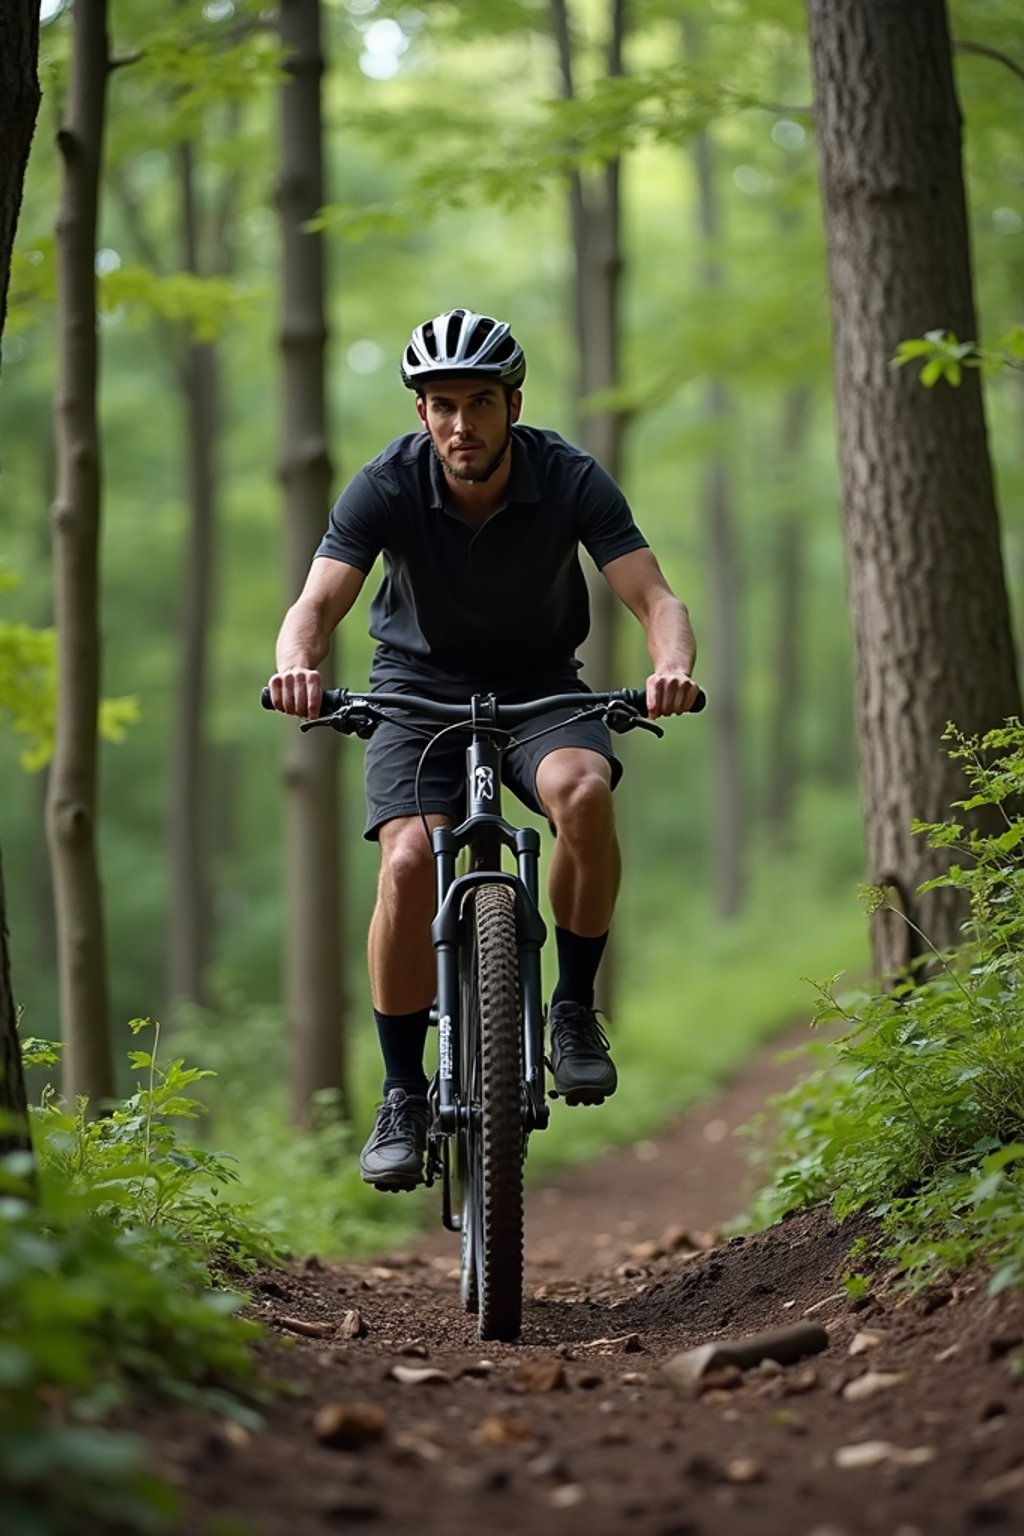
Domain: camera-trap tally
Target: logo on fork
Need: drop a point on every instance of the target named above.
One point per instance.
(483, 783)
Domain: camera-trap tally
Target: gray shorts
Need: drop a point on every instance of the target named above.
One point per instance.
(392, 756)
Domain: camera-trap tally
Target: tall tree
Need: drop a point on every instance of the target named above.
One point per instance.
(19, 108)
(71, 799)
(789, 563)
(314, 994)
(198, 369)
(595, 227)
(717, 496)
(931, 627)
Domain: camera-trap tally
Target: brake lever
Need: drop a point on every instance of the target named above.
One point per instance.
(646, 725)
(621, 717)
(350, 720)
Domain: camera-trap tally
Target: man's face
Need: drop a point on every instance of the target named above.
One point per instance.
(470, 424)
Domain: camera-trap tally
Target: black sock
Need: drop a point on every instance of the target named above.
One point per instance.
(403, 1037)
(578, 960)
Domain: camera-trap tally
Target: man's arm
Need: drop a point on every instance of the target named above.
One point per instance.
(331, 588)
(637, 581)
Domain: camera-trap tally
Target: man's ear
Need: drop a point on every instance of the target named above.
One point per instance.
(515, 405)
(421, 409)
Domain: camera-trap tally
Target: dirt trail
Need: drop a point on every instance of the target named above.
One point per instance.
(572, 1431)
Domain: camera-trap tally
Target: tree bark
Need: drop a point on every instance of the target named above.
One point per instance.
(595, 226)
(314, 996)
(190, 907)
(14, 1128)
(932, 638)
(728, 800)
(72, 799)
(19, 107)
(788, 671)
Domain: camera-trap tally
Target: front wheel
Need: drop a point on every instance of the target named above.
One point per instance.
(492, 1146)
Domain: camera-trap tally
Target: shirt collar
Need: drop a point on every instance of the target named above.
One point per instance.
(522, 482)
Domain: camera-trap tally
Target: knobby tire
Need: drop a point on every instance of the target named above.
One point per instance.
(493, 1148)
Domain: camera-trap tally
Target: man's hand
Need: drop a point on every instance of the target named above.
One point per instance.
(670, 691)
(297, 692)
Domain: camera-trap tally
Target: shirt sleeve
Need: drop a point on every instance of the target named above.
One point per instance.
(356, 529)
(607, 528)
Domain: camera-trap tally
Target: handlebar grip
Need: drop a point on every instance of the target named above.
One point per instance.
(330, 700)
(637, 697)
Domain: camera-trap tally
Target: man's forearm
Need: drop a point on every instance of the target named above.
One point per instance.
(302, 641)
(670, 639)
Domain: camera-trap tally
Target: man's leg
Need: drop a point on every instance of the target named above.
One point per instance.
(401, 966)
(574, 788)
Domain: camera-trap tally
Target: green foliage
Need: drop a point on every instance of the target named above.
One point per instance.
(105, 1297)
(917, 1110)
(203, 306)
(132, 1167)
(28, 690)
(942, 356)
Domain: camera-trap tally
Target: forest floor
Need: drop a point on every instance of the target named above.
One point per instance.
(574, 1429)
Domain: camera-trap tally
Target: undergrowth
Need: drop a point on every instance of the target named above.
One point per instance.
(915, 1112)
(107, 1238)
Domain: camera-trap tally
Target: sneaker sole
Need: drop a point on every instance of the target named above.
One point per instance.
(576, 1096)
(399, 1185)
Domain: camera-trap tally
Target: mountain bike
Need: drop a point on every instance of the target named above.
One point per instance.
(488, 1093)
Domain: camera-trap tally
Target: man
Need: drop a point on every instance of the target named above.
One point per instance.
(479, 522)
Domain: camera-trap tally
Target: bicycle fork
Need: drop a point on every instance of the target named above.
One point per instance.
(484, 822)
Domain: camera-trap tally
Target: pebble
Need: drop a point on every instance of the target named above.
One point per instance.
(419, 1375)
(501, 1430)
(871, 1383)
(543, 1375)
(744, 1469)
(864, 1342)
(348, 1426)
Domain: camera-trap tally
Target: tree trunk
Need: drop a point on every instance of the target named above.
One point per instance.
(314, 997)
(71, 803)
(190, 911)
(729, 819)
(931, 628)
(19, 107)
(595, 225)
(14, 1131)
(784, 760)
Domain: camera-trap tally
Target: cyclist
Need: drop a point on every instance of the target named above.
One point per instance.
(479, 521)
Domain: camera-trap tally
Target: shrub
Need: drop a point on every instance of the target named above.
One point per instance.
(916, 1112)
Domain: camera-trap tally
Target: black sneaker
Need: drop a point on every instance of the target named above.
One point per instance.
(583, 1071)
(393, 1157)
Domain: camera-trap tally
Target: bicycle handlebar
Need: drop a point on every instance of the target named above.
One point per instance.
(334, 699)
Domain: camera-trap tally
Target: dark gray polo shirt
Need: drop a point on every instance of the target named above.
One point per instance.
(507, 602)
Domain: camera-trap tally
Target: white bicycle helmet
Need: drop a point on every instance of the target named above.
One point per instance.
(463, 345)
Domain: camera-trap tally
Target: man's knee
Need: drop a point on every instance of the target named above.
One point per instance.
(576, 792)
(406, 859)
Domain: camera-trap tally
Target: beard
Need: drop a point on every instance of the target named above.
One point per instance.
(469, 472)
